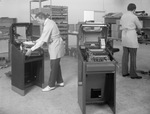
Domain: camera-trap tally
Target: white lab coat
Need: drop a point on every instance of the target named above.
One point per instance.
(56, 49)
(129, 22)
(51, 36)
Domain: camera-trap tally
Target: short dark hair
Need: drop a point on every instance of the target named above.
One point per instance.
(41, 15)
(131, 7)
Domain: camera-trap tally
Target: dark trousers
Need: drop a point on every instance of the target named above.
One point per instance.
(129, 52)
(55, 74)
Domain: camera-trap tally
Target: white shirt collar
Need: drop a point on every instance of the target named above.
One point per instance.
(45, 21)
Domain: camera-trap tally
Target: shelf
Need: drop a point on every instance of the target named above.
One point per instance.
(144, 17)
(38, 0)
(4, 37)
(61, 29)
(146, 28)
(55, 7)
(62, 25)
(92, 30)
(64, 33)
(58, 17)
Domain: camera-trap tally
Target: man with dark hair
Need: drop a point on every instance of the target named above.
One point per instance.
(51, 36)
(131, 7)
(129, 23)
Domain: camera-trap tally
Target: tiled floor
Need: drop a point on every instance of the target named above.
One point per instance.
(132, 96)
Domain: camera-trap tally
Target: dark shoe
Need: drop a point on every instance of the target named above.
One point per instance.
(137, 77)
(126, 75)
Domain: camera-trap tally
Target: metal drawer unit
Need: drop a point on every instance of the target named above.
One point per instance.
(96, 67)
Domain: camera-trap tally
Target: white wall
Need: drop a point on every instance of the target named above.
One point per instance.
(16, 9)
(20, 8)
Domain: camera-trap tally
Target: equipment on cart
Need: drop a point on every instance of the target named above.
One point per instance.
(26, 71)
(96, 66)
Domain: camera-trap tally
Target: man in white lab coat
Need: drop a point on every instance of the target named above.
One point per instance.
(51, 36)
(129, 24)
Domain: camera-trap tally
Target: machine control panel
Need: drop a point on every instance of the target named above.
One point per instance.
(97, 55)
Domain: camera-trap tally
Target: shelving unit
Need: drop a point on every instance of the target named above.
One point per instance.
(5, 24)
(57, 13)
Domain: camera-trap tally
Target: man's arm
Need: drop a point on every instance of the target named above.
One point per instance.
(44, 38)
(36, 46)
(138, 23)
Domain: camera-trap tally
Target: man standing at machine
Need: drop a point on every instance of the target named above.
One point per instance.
(129, 23)
(51, 36)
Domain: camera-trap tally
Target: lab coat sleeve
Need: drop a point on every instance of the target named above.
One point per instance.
(138, 23)
(120, 25)
(37, 45)
(37, 40)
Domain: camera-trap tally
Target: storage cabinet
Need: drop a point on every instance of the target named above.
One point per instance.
(26, 71)
(5, 23)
